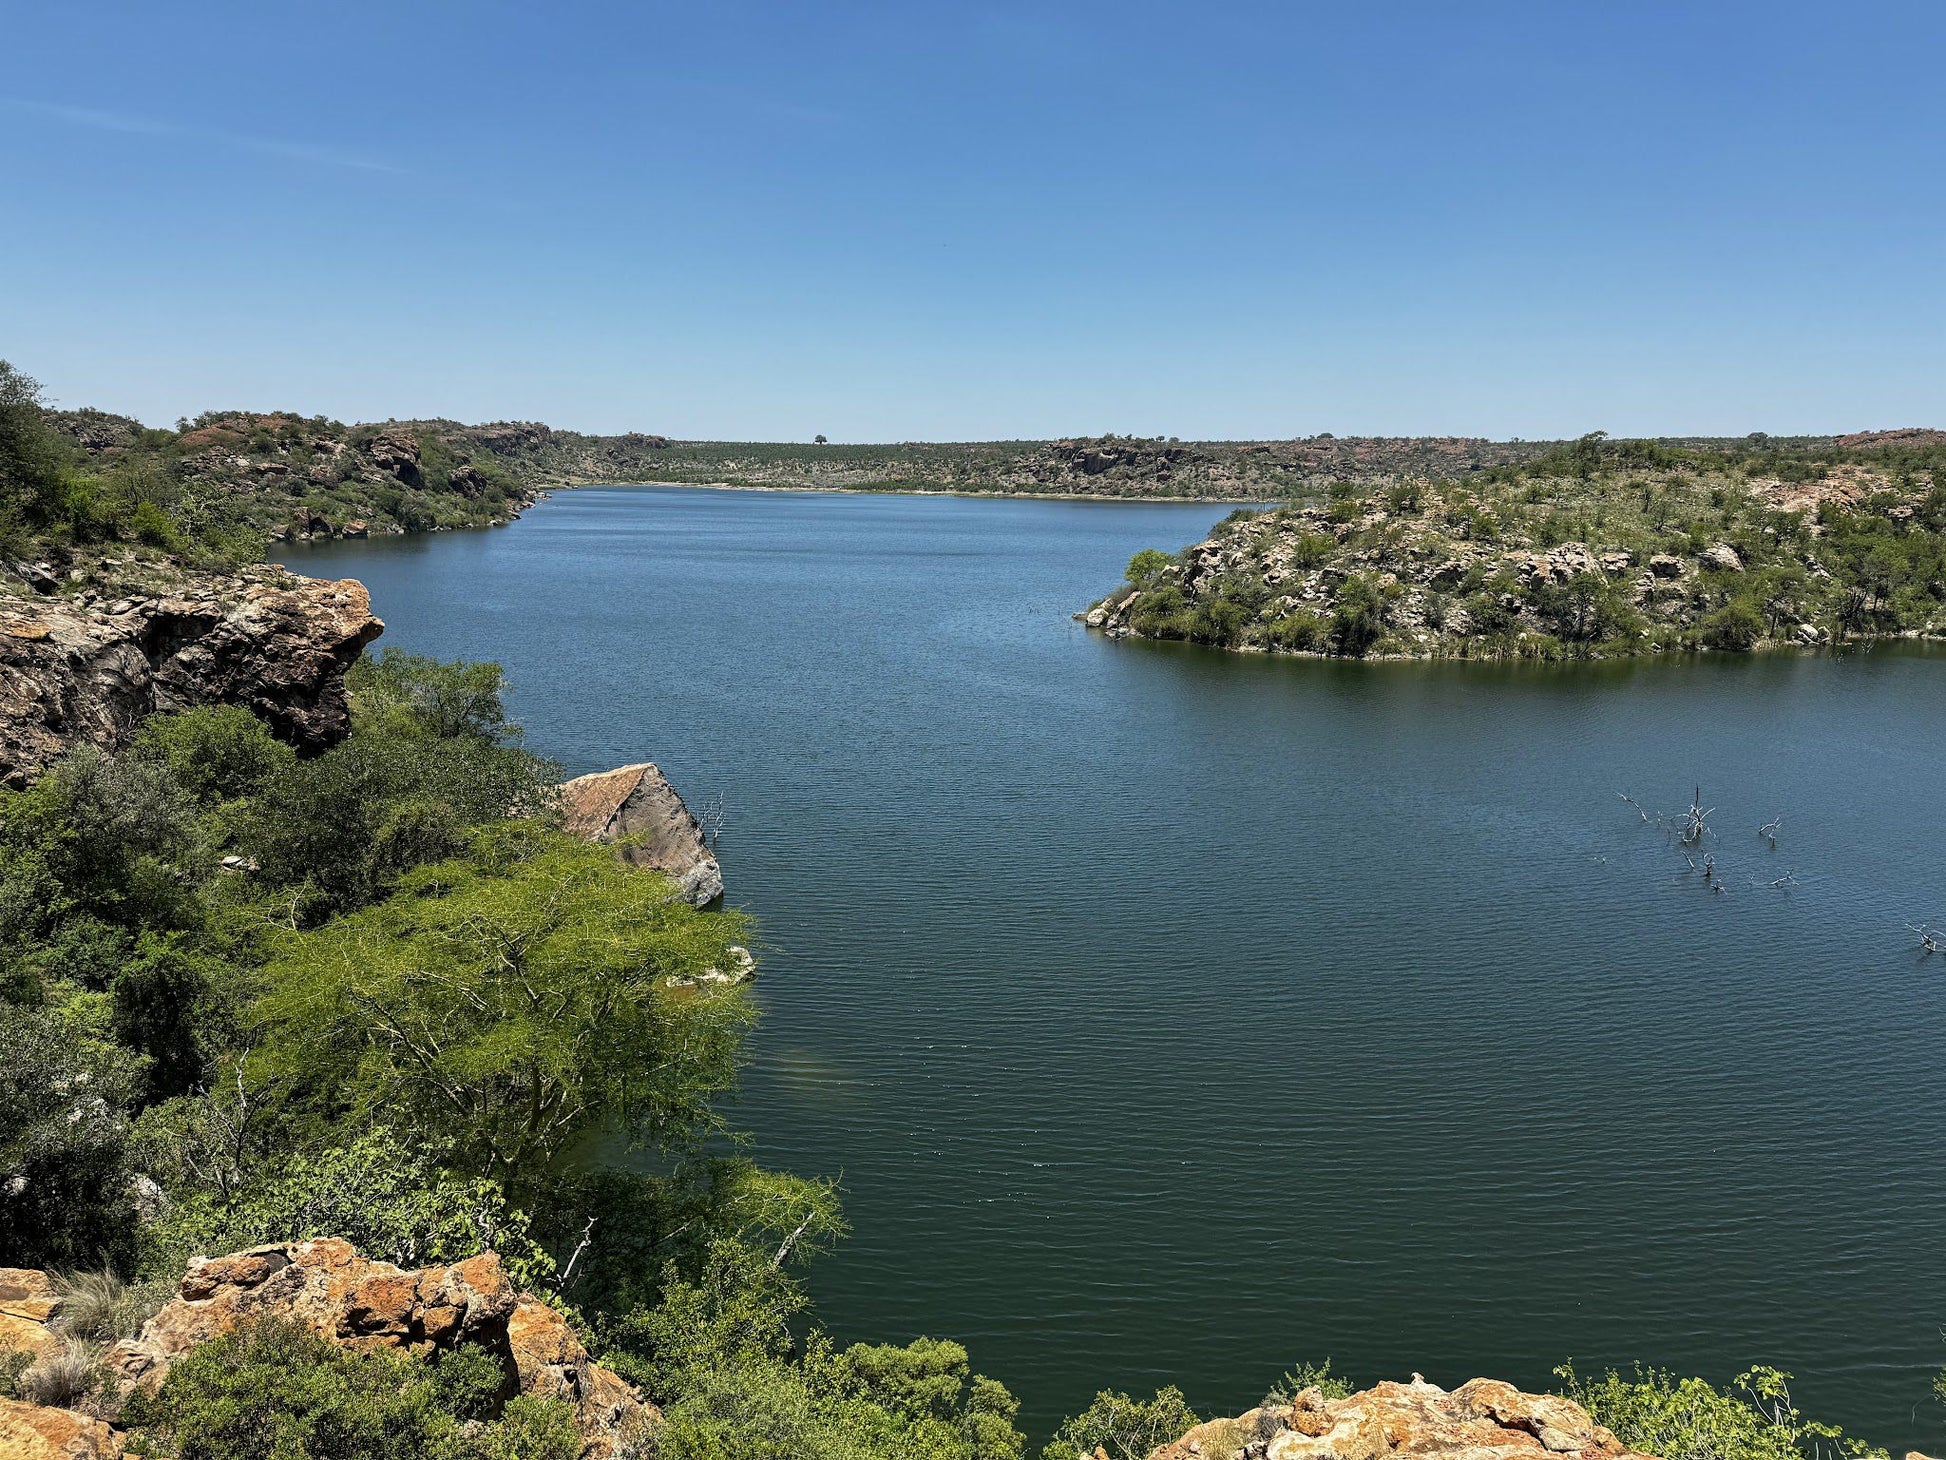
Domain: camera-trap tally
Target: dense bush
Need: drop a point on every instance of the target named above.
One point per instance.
(1125, 1427)
(277, 1392)
(1686, 1419)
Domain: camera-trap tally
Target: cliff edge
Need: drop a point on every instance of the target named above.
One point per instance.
(85, 668)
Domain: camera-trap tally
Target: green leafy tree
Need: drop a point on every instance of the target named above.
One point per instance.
(1148, 565)
(508, 1003)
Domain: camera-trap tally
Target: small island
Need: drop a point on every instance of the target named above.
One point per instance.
(1596, 549)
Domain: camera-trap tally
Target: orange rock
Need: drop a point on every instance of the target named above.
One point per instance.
(327, 1287)
(34, 1432)
(28, 1304)
(1483, 1420)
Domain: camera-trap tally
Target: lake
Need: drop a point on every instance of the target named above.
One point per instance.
(1173, 1016)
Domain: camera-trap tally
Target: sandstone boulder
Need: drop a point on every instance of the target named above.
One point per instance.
(75, 673)
(34, 1432)
(28, 1305)
(637, 806)
(1482, 1420)
(1664, 565)
(363, 1305)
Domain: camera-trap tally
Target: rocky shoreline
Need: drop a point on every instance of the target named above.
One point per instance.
(1608, 564)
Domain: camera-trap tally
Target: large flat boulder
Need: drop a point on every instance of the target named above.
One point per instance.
(638, 808)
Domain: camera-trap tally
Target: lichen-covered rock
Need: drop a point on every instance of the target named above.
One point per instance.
(364, 1305)
(1481, 1420)
(37, 1432)
(75, 672)
(637, 806)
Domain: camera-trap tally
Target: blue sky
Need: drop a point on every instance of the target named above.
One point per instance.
(959, 221)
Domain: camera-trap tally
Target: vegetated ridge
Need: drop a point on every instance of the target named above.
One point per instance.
(1596, 548)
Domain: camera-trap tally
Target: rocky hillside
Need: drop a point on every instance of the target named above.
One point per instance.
(1091, 466)
(1598, 549)
(249, 478)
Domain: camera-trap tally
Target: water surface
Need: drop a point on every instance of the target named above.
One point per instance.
(1173, 1016)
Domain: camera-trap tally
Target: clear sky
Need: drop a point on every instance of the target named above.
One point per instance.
(924, 219)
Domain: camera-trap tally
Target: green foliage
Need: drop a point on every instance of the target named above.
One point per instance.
(507, 1003)
(215, 754)
(33, 464)
(417, 698)
(1359, 617)
(1148, 565)
(278, 1392)
(430, 755)
(389, 1198)
(1735, 626)
(1300, 631)
(718, 1353)
(1312, 1376)
(64, 1175)
(1127, 1428)
(1686, 1419)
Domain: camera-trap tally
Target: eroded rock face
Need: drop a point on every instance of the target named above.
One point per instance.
(79, 672)
(636, 803)
(1481, 1420)
(326, 1286)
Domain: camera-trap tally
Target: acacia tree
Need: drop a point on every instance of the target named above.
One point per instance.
(508, 1003)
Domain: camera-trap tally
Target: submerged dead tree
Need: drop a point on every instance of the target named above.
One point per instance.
(1690, 833)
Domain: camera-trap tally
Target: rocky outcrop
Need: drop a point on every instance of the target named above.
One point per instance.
(86, 670)
(37, 1432)
(636, 807)
(1482, 1420)
(363, 1305)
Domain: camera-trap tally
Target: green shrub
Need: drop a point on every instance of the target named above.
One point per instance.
(1300, 632)
(64, 1175)
(1148, 565)
(1311, 1376)
(276, 1391)
(1312, 550)
(1685, 1419)
(1127, 1428)
(216, 753)
(1218, 621)
(1735, 626)
(1358, 619)
(389, 1198)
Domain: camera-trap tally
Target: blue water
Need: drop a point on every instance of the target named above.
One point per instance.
(1172, 1016)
